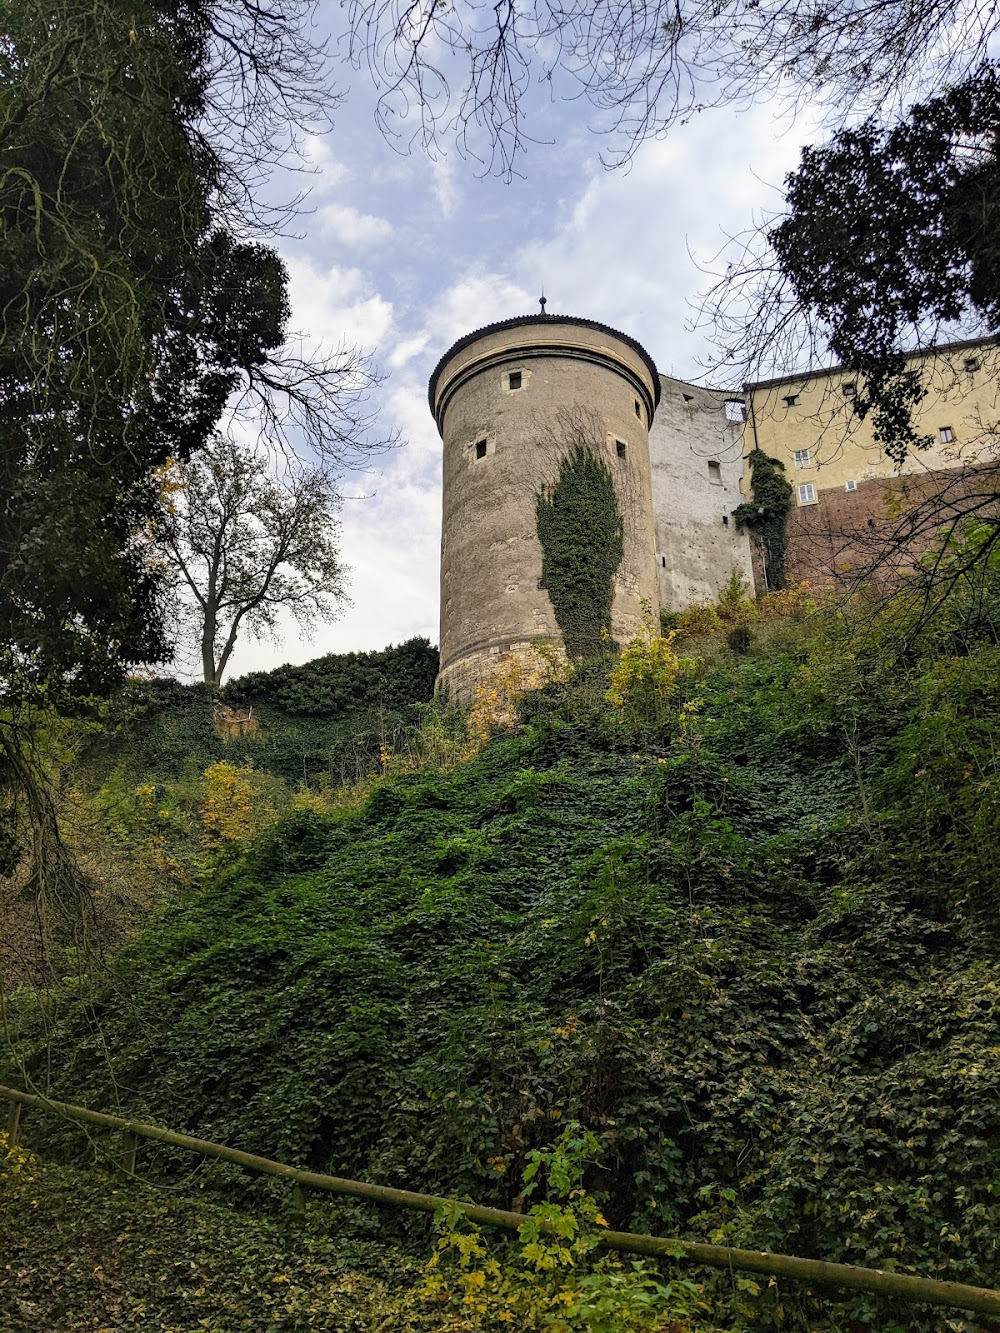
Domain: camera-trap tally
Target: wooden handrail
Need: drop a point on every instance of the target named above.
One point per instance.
(919, 1290)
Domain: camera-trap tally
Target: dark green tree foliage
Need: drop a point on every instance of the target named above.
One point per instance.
(323, 721)
(766, 514)
(128, 315)
(892, 234)
(344, 682)
(580, 529)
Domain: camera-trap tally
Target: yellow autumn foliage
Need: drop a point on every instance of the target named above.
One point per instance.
(494, 703)
(642, 680)
(236, 803)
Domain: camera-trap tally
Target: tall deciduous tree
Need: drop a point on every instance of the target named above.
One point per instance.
(891, 235)
(134, 306)
(245, 545)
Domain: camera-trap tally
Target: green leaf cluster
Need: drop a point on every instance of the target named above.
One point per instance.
(582, 536)
(766, 513)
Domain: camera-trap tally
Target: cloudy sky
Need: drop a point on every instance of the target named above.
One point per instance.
(402, 253)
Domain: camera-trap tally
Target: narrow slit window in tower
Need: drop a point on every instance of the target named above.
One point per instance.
(514, 380)
(638, 409)
(620, 448)
(715, 473)
(480, 448)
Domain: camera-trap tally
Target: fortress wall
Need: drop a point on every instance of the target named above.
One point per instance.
(697, 545)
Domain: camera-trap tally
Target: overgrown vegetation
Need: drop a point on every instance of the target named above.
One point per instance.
(143, 799)
(750, 945)
(765, 514)
(582, 538)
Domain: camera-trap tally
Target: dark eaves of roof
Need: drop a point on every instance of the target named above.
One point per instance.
(798, 376)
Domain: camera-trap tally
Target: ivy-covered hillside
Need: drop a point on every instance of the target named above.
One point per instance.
(321, 721)
(750, 941)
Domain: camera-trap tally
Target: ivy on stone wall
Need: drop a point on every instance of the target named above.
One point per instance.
(766, 514)
(580, 528)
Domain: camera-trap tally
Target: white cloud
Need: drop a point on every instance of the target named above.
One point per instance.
(317, 154)
(406, 351)
(350, 226)
(447, 193)
(336, 304)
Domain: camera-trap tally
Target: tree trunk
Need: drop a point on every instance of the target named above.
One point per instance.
(208, 648)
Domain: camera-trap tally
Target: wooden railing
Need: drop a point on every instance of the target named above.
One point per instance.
(901, 1286)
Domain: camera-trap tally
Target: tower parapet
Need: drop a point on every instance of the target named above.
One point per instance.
(514, 403)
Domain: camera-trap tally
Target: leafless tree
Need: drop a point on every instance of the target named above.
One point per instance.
(245, 544)
(473, 70)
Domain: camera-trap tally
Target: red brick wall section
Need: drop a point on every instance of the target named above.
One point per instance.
(881, 528)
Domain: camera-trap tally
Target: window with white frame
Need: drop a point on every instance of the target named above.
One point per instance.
(947, 434)
(850, 485)
(807, 493)
(801, 457)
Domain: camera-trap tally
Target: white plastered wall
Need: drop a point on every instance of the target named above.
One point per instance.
(697, 545)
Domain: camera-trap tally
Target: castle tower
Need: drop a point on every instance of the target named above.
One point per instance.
(541, 406)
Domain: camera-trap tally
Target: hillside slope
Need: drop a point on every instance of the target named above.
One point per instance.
(752, 946)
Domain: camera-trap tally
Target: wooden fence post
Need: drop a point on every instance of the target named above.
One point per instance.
(126, 1161)
(13, 1123)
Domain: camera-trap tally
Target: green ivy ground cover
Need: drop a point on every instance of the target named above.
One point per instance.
(82, 1251)
(755, 951)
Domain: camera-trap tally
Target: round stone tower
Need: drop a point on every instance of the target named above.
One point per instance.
(513, 401)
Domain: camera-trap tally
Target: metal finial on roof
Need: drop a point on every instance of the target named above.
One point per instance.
(542, 302)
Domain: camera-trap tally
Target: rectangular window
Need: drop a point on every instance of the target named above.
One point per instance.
(850, 485)
(807, 493)
(638, 409)
(514, 380)
(620, 448)
(947, 434)
(715, 473)
(791, 400)
(971, 364)
(801, 457)
(849, 390)
(480, 448)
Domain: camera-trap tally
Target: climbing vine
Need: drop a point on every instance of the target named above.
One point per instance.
(766, 514)
(582, 535)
